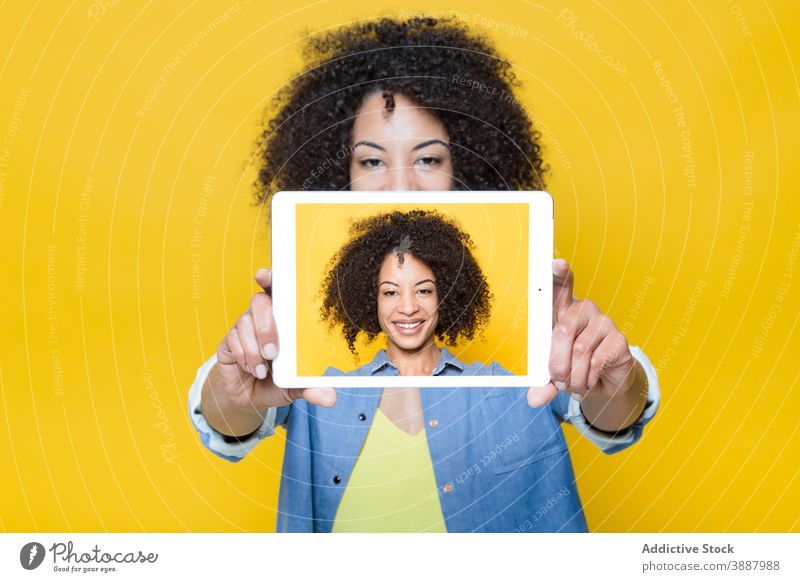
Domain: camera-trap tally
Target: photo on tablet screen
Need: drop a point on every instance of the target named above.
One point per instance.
(467, 266)
(366, 274)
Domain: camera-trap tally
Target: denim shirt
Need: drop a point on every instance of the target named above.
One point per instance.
(500, 464)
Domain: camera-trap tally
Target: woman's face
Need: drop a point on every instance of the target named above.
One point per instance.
(405, 150)
(408, 303)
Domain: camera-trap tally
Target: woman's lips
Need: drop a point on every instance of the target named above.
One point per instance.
(408, 327)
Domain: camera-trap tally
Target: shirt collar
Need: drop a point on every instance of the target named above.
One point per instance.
(446, 358)
(381, 360)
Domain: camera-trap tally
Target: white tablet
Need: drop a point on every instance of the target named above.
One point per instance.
(361, 278)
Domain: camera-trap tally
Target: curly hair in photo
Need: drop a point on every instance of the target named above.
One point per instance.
(436, 63)
(350, 287)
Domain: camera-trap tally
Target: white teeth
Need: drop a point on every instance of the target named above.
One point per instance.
(408, 325)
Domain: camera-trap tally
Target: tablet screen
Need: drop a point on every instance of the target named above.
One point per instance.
(469, 271)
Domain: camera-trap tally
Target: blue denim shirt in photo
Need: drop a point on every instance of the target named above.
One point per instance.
(500, 465)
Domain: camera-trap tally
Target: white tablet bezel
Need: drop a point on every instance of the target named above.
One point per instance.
(540, 285)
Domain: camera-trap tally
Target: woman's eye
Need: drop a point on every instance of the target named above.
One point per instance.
(371, 163)
(425, 291)
(389, 293)
(429, 161)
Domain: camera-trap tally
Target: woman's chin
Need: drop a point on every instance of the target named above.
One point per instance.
(409, 343)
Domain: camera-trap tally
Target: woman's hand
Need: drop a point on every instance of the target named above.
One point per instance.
(589, 357)
(245, 355)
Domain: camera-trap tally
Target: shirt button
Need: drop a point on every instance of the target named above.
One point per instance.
(433, 422)
(448, 487)
(337, 479)
(362, 416)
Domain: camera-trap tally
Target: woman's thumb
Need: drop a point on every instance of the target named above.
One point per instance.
(264, 279)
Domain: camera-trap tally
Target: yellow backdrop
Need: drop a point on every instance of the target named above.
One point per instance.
(129, 244)
(500, 235)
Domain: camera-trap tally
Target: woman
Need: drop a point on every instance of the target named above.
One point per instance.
(451, 298)
(407, 102)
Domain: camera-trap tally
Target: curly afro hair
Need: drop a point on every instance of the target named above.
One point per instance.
(350, 287)
(438, 64)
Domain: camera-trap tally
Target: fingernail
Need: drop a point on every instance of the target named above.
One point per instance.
(261, 371)
(576, 396)
(561, 386)
(270, 351)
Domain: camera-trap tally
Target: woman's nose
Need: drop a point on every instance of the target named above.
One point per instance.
(408, 305)
(401, 179)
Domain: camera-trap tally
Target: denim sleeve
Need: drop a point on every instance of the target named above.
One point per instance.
(569, 409)
(215, 441)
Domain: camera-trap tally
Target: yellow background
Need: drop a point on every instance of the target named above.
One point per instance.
(129, 245)
(500, 235)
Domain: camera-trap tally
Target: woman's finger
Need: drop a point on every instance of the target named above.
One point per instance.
(571, 324)
(266, 393)
(264, 325)
(282, 396)
(584, 348)
(320, 396)
(252, 352)
(563, 284)
(611, 361)
(541, 395)
(236, 350)
(264, 279)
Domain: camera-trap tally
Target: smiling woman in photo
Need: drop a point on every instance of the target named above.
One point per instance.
(397, 99)
(412, 276)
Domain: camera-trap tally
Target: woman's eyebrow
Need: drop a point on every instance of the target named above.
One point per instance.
(370, 144)
(419, 146)
(418, 282)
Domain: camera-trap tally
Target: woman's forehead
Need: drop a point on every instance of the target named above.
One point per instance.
(406, 123)
(409, 264)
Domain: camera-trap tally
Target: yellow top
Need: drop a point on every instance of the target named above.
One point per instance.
(392, 487)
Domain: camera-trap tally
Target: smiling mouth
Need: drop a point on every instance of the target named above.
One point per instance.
(409, 325)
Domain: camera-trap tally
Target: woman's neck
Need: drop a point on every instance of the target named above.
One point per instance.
(419, 362)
